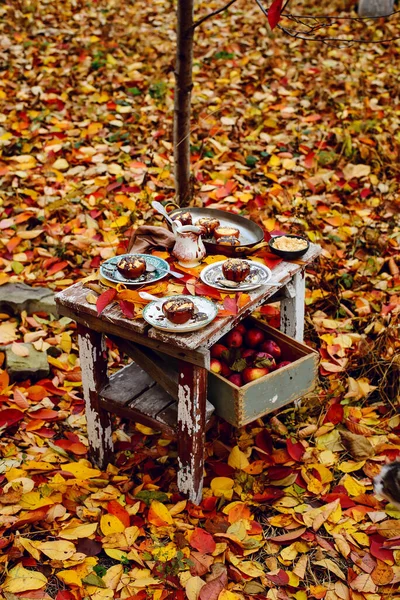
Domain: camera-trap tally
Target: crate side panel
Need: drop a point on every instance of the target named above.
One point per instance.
(278, 389)
(224, 397)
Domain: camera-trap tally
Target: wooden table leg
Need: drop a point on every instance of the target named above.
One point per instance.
(292, 309)
(192, 395)
(93, 359)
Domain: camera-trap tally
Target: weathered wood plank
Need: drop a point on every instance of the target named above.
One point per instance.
(292, 308)
(93, 361)
(74, 297)
(155, 364)
(127, 384)
(191, 430)
(152, 401)
(137, 416)
(199, 357)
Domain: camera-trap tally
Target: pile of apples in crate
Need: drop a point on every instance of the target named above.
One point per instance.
(245, 354)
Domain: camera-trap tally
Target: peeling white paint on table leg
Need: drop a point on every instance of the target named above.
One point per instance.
(292, 309)
(98, 423)
(191, 430)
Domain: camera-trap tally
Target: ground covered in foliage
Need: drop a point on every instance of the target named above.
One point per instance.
(304, 138)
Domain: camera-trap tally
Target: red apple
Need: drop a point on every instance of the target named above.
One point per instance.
(234, 339)
(263, 359)
(248, 355)
(284, 363)
(272, 348)
(236, 379)
(217, 350)
(240, 328)
(253, 373)
(254, 337)
(225, 370)
(215, 365)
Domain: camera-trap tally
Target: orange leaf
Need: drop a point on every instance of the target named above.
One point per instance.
(159, 515)
(202, 541)
(115, 508)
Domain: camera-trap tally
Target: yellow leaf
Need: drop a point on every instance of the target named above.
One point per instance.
(348, 466)
(20, 349)
(30, 546)
(193, 587)
(116, 554)
(79, 531)
(227, 595)
(57, 550)
(353, 487)
(293, 579)
(111, 524)
(113, 576)
(33, 500)
(80, 470)
(328, 564)
(222, 487)
(120, 222)
(159, 514)
(250, 568)
(144, 429)
(237, 459)
(66, 343)
(209, 260)
(20, 579)
(165, 553)
(8, 332)
(70, 577)
(274, 161)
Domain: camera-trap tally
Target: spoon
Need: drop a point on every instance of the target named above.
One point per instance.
(152, 269)
(161, 210)
(147, 296)
(234, 284)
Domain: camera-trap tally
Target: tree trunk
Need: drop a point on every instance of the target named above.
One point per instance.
(375, 8)
(183, 92)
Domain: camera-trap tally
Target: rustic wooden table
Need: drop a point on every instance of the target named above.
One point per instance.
(166, 385)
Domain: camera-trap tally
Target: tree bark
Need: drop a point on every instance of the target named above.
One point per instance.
(375, 8)
(182, 100)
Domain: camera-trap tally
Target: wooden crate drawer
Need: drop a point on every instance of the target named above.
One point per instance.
(242, 405)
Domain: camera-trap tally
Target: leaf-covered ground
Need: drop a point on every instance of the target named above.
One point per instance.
(302, 136)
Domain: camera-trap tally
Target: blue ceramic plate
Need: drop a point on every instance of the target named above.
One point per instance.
(159, 269)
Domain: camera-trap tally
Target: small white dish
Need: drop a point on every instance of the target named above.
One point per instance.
(259, 275)
(154, 315)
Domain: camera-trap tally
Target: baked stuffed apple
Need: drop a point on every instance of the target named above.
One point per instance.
(178, 310)
(235, 269)
(132, 267)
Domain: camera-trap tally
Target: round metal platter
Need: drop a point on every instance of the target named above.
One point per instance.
(250, 233)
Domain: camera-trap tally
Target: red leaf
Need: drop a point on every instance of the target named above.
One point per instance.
(45, 413)
(65, 595)
(264, 441)
(288, 537)
(279, 578)
(295, 451)
(115, 508)
(378, 551)
(309, 160)
(127, 308)
(274, 13)
(57, 267)
(9, 416)
(200, 563)
(105, 299)
(202, 289)
(270, 493)
(202, 541)
(335, 414)
(230, 305)
(213, 588)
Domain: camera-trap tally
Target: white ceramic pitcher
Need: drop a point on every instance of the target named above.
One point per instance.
(189, 248)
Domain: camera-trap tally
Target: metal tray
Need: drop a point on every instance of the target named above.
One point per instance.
(250, 233)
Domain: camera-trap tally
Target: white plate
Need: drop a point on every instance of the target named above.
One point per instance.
(259, 274)
(154, 316)
(108, 270)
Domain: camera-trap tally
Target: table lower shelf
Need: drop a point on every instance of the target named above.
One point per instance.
(132, 394)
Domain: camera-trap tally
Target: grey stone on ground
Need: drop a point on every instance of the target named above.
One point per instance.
(375, 8)
(34, 366)
(19, 296)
